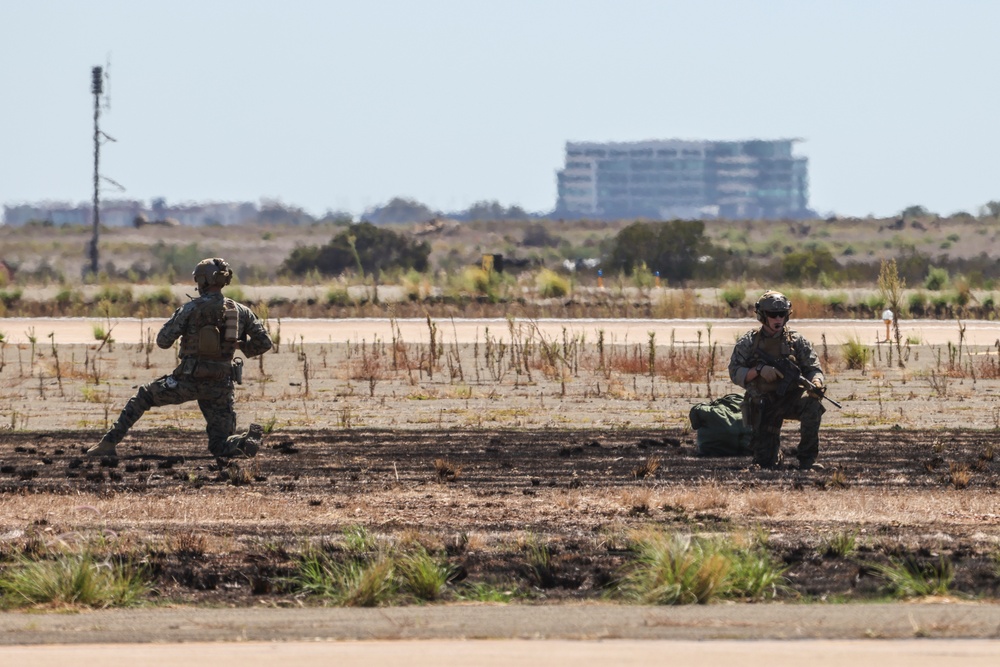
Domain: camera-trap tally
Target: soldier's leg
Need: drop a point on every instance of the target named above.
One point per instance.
(217, 405)
(809, 412)
(766, 443)
(166, 390)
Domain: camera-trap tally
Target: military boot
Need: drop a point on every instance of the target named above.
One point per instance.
(251, 441)
(104, 448)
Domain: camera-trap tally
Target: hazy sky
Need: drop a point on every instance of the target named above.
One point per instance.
(345, 104)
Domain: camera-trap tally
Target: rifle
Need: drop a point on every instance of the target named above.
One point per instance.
(791, 376)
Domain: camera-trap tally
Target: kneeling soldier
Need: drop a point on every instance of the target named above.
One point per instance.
(211, 328)
(773, 395)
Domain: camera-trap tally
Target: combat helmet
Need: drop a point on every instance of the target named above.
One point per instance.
(213, 272)
(771, 301)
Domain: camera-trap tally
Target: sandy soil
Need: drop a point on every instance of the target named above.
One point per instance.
(17, 330)
(541, 451)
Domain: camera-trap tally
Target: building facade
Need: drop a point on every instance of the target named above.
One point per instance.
(673, 179)
(123, 212)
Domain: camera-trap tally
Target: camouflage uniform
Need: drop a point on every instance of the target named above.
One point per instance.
(205, 376)
(764, 409)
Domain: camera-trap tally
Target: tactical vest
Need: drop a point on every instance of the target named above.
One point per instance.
(774, 347)
(211, 332)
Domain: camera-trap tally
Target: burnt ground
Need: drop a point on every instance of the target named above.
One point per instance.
(216, 534)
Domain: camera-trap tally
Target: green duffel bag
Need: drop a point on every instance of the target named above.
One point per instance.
(719, 427)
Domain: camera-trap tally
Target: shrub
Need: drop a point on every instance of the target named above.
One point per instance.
(424, 576)
(74, 580)
(734, 296)
(936, 279)
(350, 584)
(856, 354)
(677, 569)
(114, 294)
(551, 284)
(161, 296)
(909, 577)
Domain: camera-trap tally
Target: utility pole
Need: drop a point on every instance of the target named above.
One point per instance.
(97, 88)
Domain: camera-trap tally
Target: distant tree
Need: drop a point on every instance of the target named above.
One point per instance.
(991, 208)
(362, 247)
(398, 210)
(537, 235)
(807, 265)
(677, 249)
(915, 211)
(273, 212)
(337, 218)
(493, 210)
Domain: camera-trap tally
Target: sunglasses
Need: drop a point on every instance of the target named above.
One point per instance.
(776, 314)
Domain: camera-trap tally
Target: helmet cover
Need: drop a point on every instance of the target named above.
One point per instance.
(212, 272)
(771, 301)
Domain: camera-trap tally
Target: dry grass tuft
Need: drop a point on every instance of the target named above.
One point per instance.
(446, 470)
(765, 504)
(838, 479)
(959, 475)
(646, 468)
(188, 546)
(637, 501)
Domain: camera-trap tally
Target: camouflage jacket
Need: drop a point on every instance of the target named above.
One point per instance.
(253, 338)
(793, 345)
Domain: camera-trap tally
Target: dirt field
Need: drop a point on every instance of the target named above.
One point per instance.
(482, 459)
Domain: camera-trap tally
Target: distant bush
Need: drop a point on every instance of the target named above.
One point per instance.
(551, 284)
(364, 248)
(114, 294)
(936, 279)
(734, 295)
(856, 354)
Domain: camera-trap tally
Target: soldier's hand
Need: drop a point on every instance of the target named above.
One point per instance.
(818, 390)
(770, 374)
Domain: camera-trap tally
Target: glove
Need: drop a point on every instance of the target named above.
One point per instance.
(820, 388)
(769, 374)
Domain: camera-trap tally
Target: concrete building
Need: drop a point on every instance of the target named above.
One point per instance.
(123, 212)
(674, 178)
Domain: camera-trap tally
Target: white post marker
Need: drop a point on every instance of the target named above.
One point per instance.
(887, 318)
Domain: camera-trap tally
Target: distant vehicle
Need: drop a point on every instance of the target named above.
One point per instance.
(141, 221)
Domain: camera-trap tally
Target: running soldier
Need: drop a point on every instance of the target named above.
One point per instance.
(211, 329)
(773, 396)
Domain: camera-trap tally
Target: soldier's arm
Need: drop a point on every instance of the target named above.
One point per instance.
(809, 361)
(173, 328)
(254, 339)
(739, 363)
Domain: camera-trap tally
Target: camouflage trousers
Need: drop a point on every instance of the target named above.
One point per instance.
(215, 398)
(769, 413)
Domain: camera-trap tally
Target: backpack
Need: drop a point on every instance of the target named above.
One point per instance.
(719, 427)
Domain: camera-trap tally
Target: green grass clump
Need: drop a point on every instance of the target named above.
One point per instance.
(486, 592)
(672, 569)
(840, 544)
(160, 296)
(72, 579)
(235, 292)
(551, 285)
(912, 578)
(733, 295)
(856, 354)
(114, 294)
(351, 584)
(9, 298)
(338, 296)
(424, 576)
